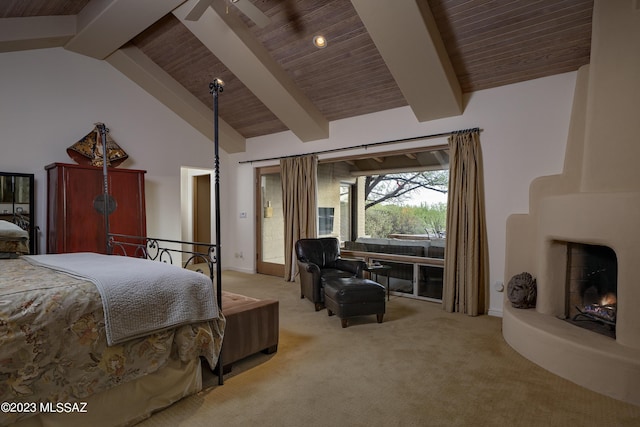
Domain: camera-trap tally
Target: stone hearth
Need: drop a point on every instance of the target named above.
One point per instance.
(595, 201)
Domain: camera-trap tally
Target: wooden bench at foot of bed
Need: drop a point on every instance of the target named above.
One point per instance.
(252, 326)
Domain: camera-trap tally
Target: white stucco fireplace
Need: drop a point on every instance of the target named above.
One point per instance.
(595, 201)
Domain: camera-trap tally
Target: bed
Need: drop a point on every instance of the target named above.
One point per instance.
(251, 324)
(62, 361)
(60, 366)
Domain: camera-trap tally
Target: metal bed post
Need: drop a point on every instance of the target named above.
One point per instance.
(215, 88)
(105, 182)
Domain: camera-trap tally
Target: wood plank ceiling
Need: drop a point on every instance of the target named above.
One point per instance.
(366, 66)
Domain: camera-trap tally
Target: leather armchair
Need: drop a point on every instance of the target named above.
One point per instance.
(319, 259)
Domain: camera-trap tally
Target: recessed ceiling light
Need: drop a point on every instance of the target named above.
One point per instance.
(320, 42)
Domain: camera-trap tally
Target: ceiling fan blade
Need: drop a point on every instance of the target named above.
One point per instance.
(252, 12)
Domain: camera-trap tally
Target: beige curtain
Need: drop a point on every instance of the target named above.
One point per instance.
(299, 188)
(466, 258)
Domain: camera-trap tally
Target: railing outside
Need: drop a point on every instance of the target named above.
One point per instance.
(410, 276)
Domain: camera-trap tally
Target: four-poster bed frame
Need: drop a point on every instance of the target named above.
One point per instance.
(159, 249)
(64, 307)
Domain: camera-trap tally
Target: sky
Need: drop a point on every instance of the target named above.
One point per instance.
(430, 197)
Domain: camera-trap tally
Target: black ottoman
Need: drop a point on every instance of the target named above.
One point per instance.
(351, 296)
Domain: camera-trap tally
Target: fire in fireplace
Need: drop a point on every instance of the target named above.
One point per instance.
(592, 276)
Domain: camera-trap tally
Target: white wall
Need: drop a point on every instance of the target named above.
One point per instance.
(50, 98)
(524, 133)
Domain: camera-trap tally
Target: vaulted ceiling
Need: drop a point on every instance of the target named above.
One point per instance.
(380, 54)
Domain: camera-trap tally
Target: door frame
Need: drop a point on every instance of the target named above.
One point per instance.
(268, 268)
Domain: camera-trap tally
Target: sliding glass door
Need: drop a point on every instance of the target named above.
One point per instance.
(270, 224)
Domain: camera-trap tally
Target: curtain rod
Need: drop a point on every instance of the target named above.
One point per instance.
(371, 144)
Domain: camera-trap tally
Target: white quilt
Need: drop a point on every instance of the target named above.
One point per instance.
(139, 296)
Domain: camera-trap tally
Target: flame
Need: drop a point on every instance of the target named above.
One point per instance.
(608, 299)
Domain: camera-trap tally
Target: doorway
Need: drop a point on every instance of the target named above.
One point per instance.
(196, 207)
(201, 186)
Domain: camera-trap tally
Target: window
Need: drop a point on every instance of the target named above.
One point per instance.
(393, 204)
(325, 221)
(347, 217)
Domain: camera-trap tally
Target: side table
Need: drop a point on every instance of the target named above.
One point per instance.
(379, 269)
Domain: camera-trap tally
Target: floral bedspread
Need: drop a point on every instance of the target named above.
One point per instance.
(53, 345)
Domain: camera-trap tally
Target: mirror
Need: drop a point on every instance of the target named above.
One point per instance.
(17, 203)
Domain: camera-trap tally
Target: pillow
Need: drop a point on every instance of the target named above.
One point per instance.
(13, 239)
(10, 231)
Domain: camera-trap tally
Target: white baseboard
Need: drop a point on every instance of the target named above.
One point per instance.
(241, 270)
(496, 313)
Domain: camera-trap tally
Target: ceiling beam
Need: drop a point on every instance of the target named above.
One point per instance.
(442, 157)
(106, 25)
(406, 35)
(36, 32)
(134, 64)
(228, 38)
(408, 169)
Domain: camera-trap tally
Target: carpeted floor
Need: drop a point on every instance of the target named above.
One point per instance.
(421, 367)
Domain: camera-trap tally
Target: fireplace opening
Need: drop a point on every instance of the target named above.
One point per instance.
(592, 282)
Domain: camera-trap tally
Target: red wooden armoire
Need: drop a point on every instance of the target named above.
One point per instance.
(75, 206)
